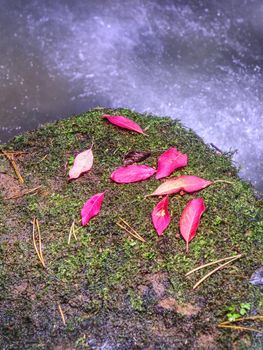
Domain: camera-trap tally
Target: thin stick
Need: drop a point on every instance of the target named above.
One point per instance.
(136, 233)
(209, 264)
(71, 232)
(248, 318)
(224, 181)
(130, 232)
(241, 328)
(62, 314)
(13, 163)
(35, 245)
(32, 190)
(14, 153)
(215, 270)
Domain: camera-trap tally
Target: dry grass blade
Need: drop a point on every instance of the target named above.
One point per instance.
(62, 314)
(130, 232)
(248, 318)
(209, 264)
(38, 251)
(241, 328)
(223, 181)
(31, 191)
(215, 270)
(10, 157)
(135, 232)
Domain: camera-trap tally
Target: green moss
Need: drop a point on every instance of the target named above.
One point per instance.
(97, 278)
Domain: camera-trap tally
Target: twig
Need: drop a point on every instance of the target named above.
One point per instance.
(248, 318)
(38, 251)
(135, 232)
(14, 153)
(13, 163)
(72, 232)
(215, 270)
(241, 328)
(209, 264)
(32, 190)
(130, 232)
(62, 314)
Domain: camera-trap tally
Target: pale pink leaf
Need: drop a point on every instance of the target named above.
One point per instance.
(186, 183)
(169, 161)
(124, 123)
(91, 208)
(132, 173)
(160, 216)
(190, 219)
(82, 163)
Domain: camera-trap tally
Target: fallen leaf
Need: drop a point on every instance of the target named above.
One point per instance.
(135, 157)
(91, 208)
(186, 183)
(190, 219)
(169, 161)
(132, 173)
(160, 216)
(124, 123)
(82, 163)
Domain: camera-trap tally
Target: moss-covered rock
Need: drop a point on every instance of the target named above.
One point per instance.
(117, 292)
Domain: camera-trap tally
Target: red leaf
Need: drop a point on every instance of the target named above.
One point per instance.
(190, 219)
(160, 216)
(91, 208)
(132, 173)
(169, 161)
(124, 123)
(186, 183)
(82, 163)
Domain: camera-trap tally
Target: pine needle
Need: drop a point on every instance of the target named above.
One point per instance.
(38, 250)
(215, 270)
(135, 232)
(62, 314)
(72, 231)
(31, 191)
(241, 328)
(130, 232)
(10, 157)
(211, 263)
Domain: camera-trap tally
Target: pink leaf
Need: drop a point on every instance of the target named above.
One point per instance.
(124, 123)
(190, 219)
(132, 173)
(186, 183)
(169, 161)
(91, 208)
(160, 216)
(82, 163)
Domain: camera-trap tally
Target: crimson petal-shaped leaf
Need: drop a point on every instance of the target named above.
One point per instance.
(82, 163)
(124, 123)
(169, 161)
(190, 219)
(160, 216)
(132, 173)
(91, 208)
(186, 183)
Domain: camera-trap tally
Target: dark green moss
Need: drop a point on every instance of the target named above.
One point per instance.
(99, 278)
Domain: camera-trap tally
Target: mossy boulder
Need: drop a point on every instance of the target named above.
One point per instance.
(115, 291)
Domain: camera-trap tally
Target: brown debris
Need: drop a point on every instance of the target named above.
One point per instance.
(135, 157)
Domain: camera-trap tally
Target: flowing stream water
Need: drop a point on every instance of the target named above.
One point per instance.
(198, 61)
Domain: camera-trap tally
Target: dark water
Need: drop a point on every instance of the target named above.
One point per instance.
(199, 61)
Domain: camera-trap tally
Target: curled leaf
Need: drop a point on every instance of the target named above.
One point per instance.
(132, 173)
(135, 157)
(186, 183)
(124, 123)
(160, 216)
(169, 161)
(82, 163)
(190, 219)
(91, 208)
